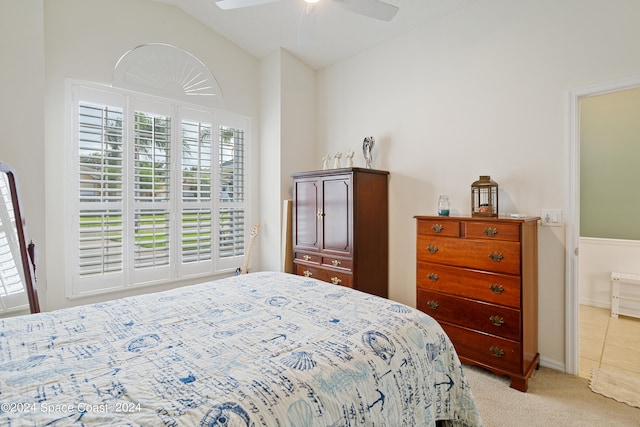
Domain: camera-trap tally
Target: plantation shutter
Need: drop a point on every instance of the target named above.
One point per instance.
(232, 207)
(152, 186)
(196, 216)
(100, 175)
(159, 191)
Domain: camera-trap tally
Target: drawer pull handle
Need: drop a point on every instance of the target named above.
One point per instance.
(432, 249)
(307, 273)
(490, 231)
(437, 228)
(306, 257)
(497, 352)
(497, 289)
(336, 280)
(497, 320)
(336, 263)
(496, 256)
(433, 277)
(432, 304)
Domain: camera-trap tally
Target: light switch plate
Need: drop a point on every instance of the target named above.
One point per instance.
(552, 217)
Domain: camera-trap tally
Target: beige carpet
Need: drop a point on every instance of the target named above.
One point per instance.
(621, 386)
(553, 399)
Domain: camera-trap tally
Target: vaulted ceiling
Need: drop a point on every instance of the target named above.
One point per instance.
(338, 33)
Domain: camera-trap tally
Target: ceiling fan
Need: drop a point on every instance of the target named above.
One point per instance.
(377, 9)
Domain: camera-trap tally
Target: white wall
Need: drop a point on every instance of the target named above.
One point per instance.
(83, 40)
(481, 91)
(299, 148)
(22, 111)
(270, 160)
(287, 106)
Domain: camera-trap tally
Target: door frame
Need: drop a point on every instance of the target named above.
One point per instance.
(572, 301)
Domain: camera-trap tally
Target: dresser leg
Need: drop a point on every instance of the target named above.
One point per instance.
(519, 383)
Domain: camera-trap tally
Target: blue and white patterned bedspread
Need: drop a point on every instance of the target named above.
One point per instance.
(264, 349)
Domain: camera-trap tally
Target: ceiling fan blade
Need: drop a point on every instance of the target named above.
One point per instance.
(372, 8)
(307, 26)
(237, 4)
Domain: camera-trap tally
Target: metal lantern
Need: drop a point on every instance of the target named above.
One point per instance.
(484, 197)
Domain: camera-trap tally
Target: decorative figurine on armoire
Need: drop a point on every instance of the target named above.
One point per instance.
(349, 158)
(367, 150)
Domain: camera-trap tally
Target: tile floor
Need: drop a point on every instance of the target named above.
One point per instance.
(608, 342)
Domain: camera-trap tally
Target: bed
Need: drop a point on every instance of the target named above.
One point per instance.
(262, 349)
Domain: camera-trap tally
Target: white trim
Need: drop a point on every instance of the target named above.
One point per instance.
(572, 333)
(552, 364)
(169, 72)
(572, 227)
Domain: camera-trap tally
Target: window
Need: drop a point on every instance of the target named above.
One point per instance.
(158, 190)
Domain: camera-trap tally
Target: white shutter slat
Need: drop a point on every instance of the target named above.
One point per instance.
(100, 129)
(100, 242)
(100, 152)
(231, 227)
(151, 238)
(196, 213)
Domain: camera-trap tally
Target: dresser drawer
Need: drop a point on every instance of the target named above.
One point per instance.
(492, 231)
(496, 256)
(490, 287)
(345, 263)
(439, 228)
(486, 349)
(330, 276)
(494, 319)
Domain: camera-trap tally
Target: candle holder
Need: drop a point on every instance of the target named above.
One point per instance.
(484, 197)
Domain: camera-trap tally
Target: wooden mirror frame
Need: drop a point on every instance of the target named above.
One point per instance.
(27, 250)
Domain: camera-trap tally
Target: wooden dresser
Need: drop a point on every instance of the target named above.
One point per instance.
(478, 277)
(341, 227)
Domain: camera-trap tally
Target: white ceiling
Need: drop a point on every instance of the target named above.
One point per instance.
(339, 33)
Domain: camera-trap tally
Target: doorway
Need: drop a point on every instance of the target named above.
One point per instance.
(572, 306)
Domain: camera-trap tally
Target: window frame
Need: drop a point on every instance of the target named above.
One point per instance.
(176, 271)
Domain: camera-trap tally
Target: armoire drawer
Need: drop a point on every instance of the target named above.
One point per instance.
(330, 276)
(490, 287)
(490, 318)
(312, 258)
(334, 262)
(487, 349)
(496, 256)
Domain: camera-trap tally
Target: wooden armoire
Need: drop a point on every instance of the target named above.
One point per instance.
(340, 227)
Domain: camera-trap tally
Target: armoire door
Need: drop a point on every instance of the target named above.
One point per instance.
(307, 216)
(336, 214)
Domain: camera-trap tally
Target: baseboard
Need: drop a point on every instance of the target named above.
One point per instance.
(595, 303)
(552, 364)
